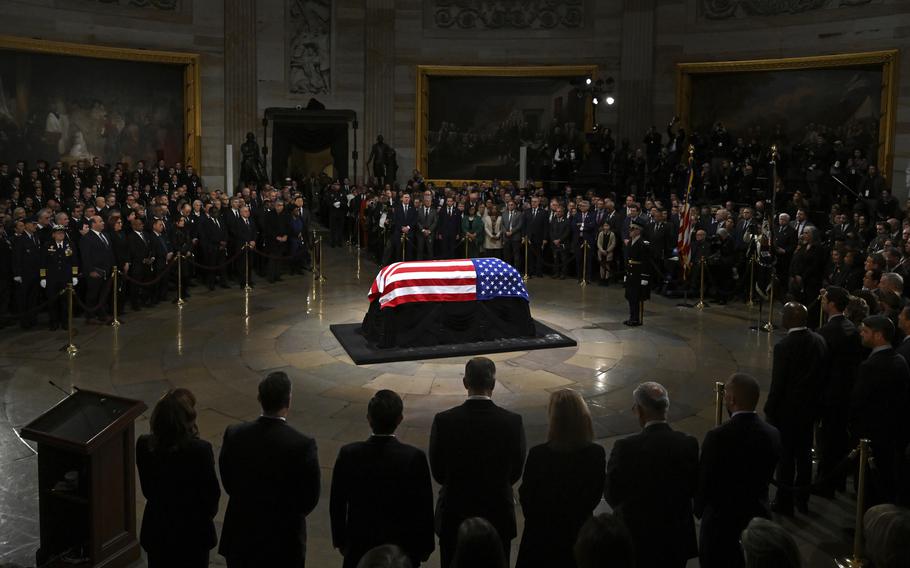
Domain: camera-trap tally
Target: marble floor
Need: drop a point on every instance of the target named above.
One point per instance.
(221, 343)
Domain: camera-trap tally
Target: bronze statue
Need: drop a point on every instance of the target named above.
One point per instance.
(385, 166)
(252, 169)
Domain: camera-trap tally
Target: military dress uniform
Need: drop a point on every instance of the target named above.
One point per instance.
(638, 279)
(58, 268)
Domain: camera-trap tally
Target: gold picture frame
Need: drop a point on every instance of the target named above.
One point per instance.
(422, 106)
(192, 96)
(887, 59)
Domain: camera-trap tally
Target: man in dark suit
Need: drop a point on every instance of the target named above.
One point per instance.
(737, 461)
(141, 262)
(477, 452)
(584, 231)
(559, 234)
(426, 228)
(512, 234)
(270, 471)
(796, 378)
(844, 354)
(404, 227)
(536, 224)
(97, 261)
(651, 480)
(381, 491)
(447, 229)
(245, 233)
(213, 240)
(878, 406)
(26, 271)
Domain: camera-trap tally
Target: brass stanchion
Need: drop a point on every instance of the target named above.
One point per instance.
(584, 264)
(769, 326)
(719, 390)
(70, 348)
(246, 268)
(526, 277)
(321, 274)
(404, 238)
(116, 289)
(466, 246)
(750, 303)
(856, 561)
(179, 258)
(701, 287)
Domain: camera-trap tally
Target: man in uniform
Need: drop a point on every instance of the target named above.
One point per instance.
(637, 274)
(58, 268)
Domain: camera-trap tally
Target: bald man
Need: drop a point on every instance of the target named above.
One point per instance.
(797, 377)
(737, 461)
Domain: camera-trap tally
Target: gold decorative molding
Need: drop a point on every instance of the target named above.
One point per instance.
(192, 96)
(887, 60)
(422, 106)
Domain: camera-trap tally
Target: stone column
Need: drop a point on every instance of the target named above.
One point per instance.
(240, 79)
(636, 85)
(379, 78)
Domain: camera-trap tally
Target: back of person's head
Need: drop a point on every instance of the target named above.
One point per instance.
(385, 412)
(652, 400)
(275, 392)
(604, 542)
(768, 545)
(385, 556)
(743, 390)
(880, 324)
(479, 546)
(480, 375)
(887, 530)
(857, 310)
(173, 420)
(570, 421)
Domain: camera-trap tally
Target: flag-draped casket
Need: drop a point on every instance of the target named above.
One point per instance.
(447, 301)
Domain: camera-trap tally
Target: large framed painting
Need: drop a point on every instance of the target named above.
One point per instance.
(803, 101)
(473, 121)
(68, 102)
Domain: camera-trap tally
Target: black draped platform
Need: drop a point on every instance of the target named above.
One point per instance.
(428, 330)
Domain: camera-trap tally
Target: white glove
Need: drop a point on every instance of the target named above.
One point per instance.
(17, 279)
(75, 281)
(43, 283)
(337, 205)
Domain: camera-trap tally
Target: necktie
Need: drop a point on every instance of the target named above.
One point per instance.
(104, 240)
(59, 246)
(450, 211)
(426, 211)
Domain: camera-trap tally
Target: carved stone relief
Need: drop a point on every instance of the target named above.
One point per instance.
(309, 46)
(723, 9)
(506, 14)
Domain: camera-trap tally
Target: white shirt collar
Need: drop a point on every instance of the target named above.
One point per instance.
(651, 422)
(743, 412)
(479, 397)
(880, 348)
(801, 328)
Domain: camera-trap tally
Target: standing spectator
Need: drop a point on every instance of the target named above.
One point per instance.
(177, 475)
(381, 492)
(878, 406)
(844, 354)
(213, 238)
(651, 479)
(473, 230)
(477, 451)
(512, 233)
(97, 261)
(270, 471)
(797, 374)
(426, 228)
(737, 461)
(604, 542)
(58, 269)
(448, 229)
(492, 228)
(536, 223)
(562, 484)
(26, 267)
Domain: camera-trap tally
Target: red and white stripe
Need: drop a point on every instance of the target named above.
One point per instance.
(425, 281)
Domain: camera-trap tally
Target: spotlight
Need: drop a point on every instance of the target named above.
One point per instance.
(595, 100)
(588, 81)
(610, 100)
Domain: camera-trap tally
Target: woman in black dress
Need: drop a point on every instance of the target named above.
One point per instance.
(177, 474)
(562, 484)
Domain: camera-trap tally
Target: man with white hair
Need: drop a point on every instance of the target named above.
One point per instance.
(651, 480)
(893, 282)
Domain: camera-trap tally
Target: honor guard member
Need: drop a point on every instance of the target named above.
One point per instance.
(638, 275)
(26, 266)
(58, 268)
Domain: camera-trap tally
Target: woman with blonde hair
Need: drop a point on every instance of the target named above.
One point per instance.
(562, 484)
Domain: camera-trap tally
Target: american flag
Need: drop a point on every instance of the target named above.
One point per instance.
(446, 281)
(683, 241)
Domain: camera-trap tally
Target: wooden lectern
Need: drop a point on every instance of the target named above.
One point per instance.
(86, 481)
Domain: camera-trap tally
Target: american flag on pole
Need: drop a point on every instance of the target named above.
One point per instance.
(446, 281)
(683, 242)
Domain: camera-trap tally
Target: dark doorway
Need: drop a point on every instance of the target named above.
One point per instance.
(306, 140)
